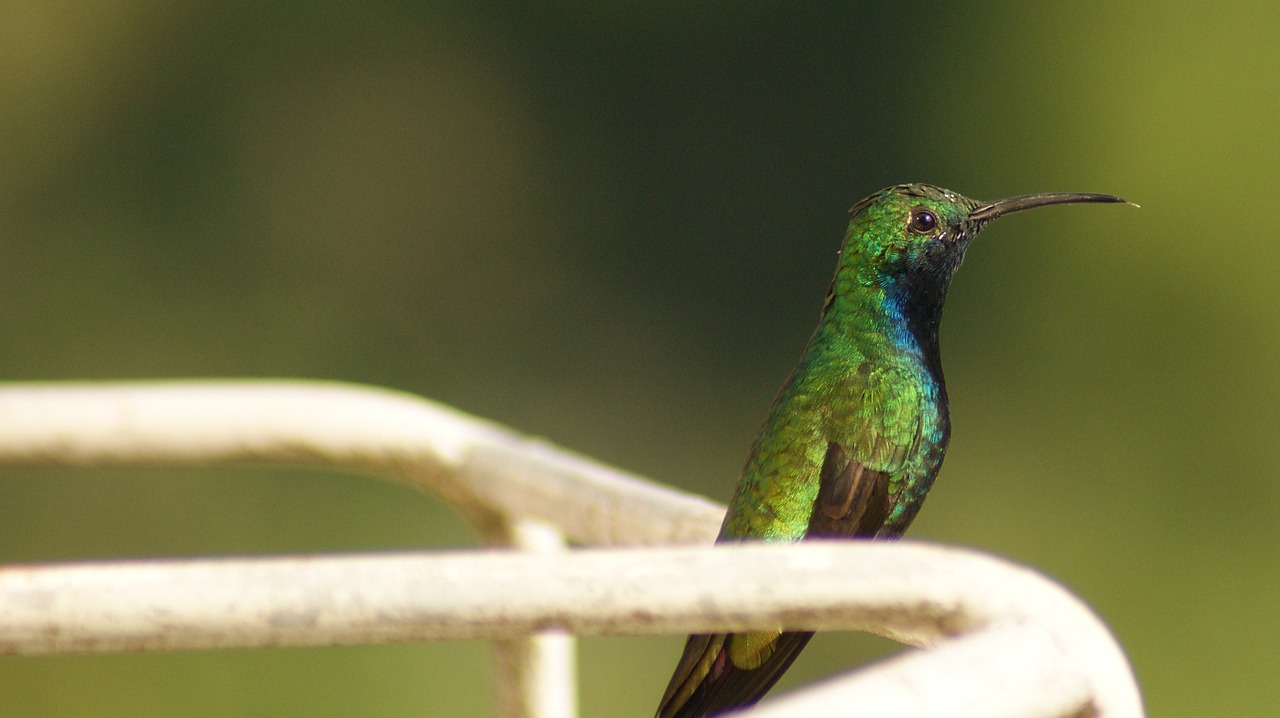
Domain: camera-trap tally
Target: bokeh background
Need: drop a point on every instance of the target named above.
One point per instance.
(611, 224)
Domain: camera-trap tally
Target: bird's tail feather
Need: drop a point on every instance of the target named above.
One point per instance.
(708, 683)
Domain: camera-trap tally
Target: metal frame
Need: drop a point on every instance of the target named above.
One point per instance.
(1001, 640)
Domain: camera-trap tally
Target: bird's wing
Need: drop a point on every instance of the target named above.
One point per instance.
(719, 672)
(853, 500)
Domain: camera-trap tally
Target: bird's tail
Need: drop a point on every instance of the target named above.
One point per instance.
(722, 672)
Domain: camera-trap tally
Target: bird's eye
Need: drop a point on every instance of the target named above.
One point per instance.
(922, 221)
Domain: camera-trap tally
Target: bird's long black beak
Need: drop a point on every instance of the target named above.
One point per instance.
(1009, 205)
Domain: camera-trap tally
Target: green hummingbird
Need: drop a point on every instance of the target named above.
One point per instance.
(855, 436)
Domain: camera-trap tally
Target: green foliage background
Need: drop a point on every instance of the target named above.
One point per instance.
(611, 224)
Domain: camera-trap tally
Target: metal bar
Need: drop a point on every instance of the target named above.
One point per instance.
(923, 595)
(534, 675)
(1001, 672)
(486, 471)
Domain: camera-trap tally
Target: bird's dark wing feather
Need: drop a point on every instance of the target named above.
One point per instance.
(853, 501)
(721, 672)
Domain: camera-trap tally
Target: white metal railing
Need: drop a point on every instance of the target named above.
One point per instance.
(1001, 640)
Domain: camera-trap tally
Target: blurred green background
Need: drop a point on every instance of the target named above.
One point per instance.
(612, 224)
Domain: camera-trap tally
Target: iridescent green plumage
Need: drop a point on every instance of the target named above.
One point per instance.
(856, 434)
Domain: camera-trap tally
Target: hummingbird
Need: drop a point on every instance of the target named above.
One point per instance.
(855, 436)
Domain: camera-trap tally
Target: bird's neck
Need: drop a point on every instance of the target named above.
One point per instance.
(897, 324)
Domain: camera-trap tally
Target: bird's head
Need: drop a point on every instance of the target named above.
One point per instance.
(912, 237)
